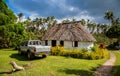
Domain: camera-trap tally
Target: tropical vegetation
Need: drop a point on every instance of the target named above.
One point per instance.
(13, 30)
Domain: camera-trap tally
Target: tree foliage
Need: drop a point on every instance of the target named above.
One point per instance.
(114, 31)
(109, 15)
(12, 35)
(4, 19)
(20, 16)
(6, 15)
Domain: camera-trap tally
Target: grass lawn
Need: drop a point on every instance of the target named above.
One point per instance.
(116, 71)
(49, 66)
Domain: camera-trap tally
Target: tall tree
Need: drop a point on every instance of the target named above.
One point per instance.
(20, 16)
(3, 6)
(109, 15)
(65, 21)
(104, 28)
(4, 19)
(28, 18)
(7, 15)
(73, 19)
(114, 31)
(83, 22)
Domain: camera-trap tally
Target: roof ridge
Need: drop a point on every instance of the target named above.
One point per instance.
(69, 22)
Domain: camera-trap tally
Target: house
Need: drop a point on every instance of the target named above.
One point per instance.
(70, 35)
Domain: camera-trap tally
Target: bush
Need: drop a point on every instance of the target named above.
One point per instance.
(95, 53)
(114, 46)
(98, 53)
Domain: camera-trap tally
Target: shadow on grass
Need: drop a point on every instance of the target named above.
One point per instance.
(23, 57)
(19, 57)
(77, 72)
(114, 72)
(6, 72)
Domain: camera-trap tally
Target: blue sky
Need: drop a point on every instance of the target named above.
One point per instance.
(62, 9)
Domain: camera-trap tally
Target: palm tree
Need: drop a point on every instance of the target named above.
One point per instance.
(55, 22)
(28, 18)
(65, 21)
(104, 28)
(109, 16)
(117, 21)
(93, 25)
(27, 24)
(51, 21)
(20, 16)
(83, 22)
(73, 19)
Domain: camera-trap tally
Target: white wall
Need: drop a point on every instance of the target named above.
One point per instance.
(81, 45)
(49, 43)
(69, 44)
(85, 45)
(43, 42)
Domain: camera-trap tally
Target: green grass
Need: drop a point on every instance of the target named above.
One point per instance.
(116, 71)
(49, 66)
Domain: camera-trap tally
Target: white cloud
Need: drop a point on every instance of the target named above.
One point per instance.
(62, 9)
(83, 15)
(33, 16)
(71, 8)
(23, 19)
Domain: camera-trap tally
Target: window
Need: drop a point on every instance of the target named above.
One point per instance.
(61, 43)
(75, 43)
(53, 43)
(46, 42)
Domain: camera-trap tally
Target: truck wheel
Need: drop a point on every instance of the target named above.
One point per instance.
(30, 55)
(43, 55)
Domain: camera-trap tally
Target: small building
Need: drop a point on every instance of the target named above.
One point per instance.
(70, 35)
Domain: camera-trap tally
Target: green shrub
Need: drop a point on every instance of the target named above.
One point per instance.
(95, 53)
(98, 53)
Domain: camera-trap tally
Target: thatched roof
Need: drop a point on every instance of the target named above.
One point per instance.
(72, 31)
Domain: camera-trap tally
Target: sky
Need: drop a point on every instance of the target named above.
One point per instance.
(93, 10)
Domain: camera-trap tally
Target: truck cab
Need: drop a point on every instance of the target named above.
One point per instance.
(34, 48)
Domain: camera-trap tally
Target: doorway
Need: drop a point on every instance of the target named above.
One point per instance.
(53, 43)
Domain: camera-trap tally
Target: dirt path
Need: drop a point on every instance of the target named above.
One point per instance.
(107, 67)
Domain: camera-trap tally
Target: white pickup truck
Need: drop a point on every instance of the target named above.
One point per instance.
(34, 48)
